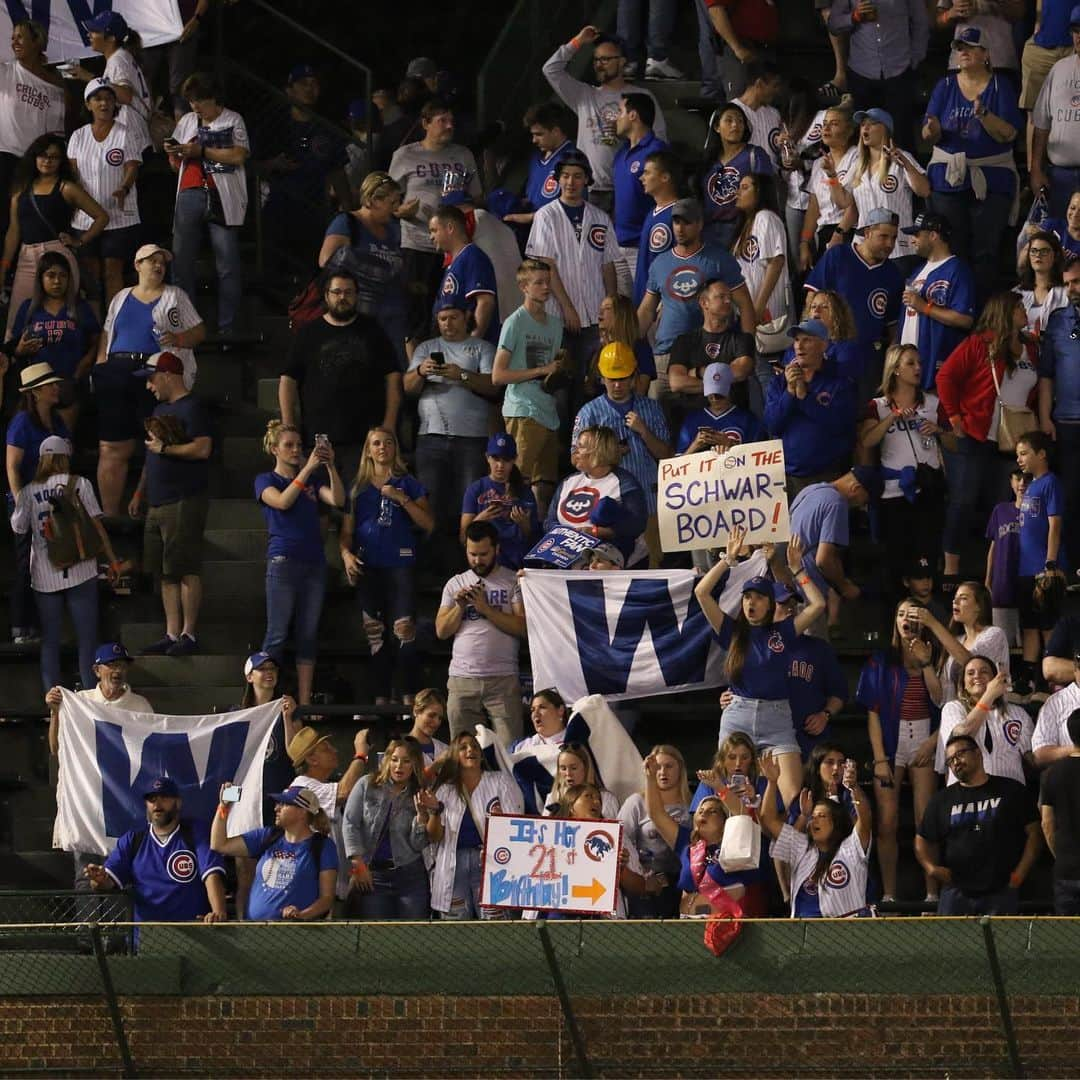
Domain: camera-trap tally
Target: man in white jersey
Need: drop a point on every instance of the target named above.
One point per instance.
(1051, 740)
(597, 106)
(483, 612)
(756, 101)
(421, 170)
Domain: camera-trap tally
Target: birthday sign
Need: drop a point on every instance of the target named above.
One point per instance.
(702, 497)
(551, 864)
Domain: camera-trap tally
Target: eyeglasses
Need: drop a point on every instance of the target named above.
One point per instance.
(1040, 251)
(607, 59)
(956, 754)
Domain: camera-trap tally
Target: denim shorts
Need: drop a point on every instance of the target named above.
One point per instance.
(768, 723)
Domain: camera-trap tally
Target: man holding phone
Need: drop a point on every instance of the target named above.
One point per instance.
(168, 864)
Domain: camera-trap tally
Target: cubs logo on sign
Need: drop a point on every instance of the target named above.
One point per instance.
(578, 505)
(751, 249)
(776, 643)
(838, 876)
(937, 292)
(878, 302)
(683, 284)
(551, 186)
(890, 184)
(115, 156)
(181, 867)
(598, 844)
(501, 855)
(723, 185)
(449, 284)
(659, 238)
(597, 237)
(1012, 729)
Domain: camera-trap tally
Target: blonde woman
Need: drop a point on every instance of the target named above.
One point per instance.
(617, 321)
(574, 765)
(659, 863)
(883, 176)
(387, 507)
(824, 210)
(289, 497)
(429, 714)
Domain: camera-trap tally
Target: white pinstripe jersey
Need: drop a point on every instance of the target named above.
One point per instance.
(842, 889)
(893, 192)
(1050, 726)
(764, 128)
(580, 260)
(32, 510)
(122, 69)
(101, 171)
(1009, 737)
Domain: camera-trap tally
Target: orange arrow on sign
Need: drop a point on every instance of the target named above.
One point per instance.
(591, 892)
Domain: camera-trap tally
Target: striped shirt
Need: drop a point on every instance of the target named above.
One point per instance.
(1004, 737)
(767, 239)
(1050, 727)
(892, 191)
(818, 185)
(764, 124)
(32, 511)
(100, 165)
(638, 461)
(122, 70)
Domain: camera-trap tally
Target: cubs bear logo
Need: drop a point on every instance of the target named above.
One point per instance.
(578, 505)
(890, 184)
(597, 236)
(878, 302)
(181, 867)
(449, 285)
(837, 876)
(551, 186)
(723, 185)
(659, 238)
(937, 292)
(683, 284)
(598, 844)
(115, 156)
(775, 643)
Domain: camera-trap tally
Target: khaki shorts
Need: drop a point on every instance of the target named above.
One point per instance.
(1035, 65)
(538, 449)
(173, 540)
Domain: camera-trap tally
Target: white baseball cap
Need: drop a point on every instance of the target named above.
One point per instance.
(94, 85)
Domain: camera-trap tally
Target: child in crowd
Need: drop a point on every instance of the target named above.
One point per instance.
(1003, 557)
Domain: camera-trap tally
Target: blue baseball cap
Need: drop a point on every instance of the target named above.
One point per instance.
(870, 478)
(501, 446)
(455, 198)
(968, 37)
(163, 785)
(110, 652)
(759, 584)
(813, 327)
(878, 216)
(783, 593)
(878, 116)
(301, 71)
(256, 661)
(1074, 18)
(111, 23)
(303, 797)
(458, 303)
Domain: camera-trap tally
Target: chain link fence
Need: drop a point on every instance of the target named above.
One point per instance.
(887, 997)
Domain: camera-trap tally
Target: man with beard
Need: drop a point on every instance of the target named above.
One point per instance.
(343, 374)
(168, 864)
(483, 612)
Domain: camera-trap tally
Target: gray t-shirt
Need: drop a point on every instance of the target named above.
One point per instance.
(421, 173)
(482, 650)
(1056, 112)
(451, 408)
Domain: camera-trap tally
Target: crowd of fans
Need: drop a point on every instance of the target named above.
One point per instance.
(850, 276)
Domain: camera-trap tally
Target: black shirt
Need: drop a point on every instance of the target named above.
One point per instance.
(700, 348)
(1061, 791)
(341, 372)
(981, 832)
(170, 479)
(1065, 640)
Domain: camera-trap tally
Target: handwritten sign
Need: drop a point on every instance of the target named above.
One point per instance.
(702, 497)
(551, 864)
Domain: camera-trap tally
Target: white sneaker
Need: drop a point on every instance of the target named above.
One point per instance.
(662, 69)
(630, 70)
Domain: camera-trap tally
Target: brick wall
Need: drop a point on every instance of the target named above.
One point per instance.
(647, 1036)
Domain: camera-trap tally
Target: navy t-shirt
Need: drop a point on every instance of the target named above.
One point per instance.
(67, 334)
(768, 654)
(512, 545)
(393, 542)
(25, 433)
(295, 532)
(170, 479)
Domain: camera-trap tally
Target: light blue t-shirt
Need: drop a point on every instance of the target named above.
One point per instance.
(286, 873)
(531, 344)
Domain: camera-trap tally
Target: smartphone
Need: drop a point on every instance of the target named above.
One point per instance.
(231, 793)
(170, 146)
(438, 359)
(321, 442)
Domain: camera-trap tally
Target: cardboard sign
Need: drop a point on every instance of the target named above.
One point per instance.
(551, 864)
(561, 548)
(702, 497)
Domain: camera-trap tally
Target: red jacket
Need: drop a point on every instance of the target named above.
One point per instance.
(966, 387)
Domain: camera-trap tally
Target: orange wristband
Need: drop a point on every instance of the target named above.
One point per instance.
(299, 483)
(985, 708)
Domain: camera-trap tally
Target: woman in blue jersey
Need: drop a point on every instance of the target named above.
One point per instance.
(830, 861)
(757, 656)
(736, 157)
(289, 497)
(368, 243)
(971, 121)
(503, 498)
(387, 507)
(901, 690)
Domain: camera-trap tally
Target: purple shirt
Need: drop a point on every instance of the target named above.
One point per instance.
(1004, 530)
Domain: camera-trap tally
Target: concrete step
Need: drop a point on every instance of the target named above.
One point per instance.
(245, 579)
(220, 379)
(245, 453)
(235, 513)
(244, 544)
(194, 700)
(266, 394)
(238, 637)
(203, 669)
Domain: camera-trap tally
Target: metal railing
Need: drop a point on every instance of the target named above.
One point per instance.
(1005, 978)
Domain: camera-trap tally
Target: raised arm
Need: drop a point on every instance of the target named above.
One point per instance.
(665, 824)
(704, 588)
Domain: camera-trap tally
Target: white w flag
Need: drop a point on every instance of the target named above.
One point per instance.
(156, 21)
(625, 633)
(110, 757)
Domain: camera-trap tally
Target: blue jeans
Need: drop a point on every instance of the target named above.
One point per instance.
(711, 83)
(468, 876)
(658, 34)
(294, 594)
(1003, 902)
(192, 210)
(1066, 896)
(767, 722)
(446, 465)
(400, 893)
(82, 602)
(977, 228)
(387, 595)
(977, 474)
(1063, 182)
